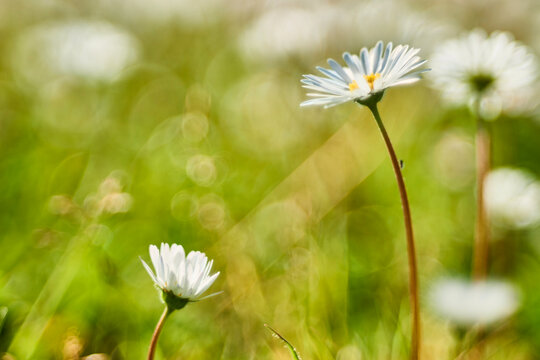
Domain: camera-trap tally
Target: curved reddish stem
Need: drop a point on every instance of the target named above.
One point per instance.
(157, 331)
(481, 238)
(411, 252)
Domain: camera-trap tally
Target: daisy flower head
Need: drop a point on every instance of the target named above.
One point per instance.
(495, 67)
(181, 278)
(366, 77)
(467, 304)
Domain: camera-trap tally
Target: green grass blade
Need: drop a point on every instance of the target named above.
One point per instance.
(3, 314)
(291, 348)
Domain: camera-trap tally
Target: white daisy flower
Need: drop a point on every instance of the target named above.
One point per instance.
(497, 67)
(366, 77)
(512, 198)
(180, 277)
(474, 303)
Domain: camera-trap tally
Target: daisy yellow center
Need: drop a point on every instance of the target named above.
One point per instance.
(371, 79)
(353, 86)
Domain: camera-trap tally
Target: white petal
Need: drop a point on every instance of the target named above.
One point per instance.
(335, 100)
(329, 73)
(384, 62)
(204, 285)
(209, 296)
(150, 272)
(364, 60)
(338, 69)
(157, 262)
(351, 63)
(376, 56)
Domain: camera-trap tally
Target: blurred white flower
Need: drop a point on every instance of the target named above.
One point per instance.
(512, 198)
(466, 303)
(389, 20)
(287, 31)
(497, 67)
(366, 76)
(184, 277)
(185, 12)
(306, 29)
(95, 50)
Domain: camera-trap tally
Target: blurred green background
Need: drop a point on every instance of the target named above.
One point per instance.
(125, 123)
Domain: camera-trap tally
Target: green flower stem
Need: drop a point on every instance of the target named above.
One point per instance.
(157, 331)
(483, 161)
(413, 272)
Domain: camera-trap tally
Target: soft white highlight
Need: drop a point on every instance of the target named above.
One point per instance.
(95, 50)
(512, 198)
(474, 303)
(287, 32)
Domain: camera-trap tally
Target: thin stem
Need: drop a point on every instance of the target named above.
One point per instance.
(413, 272)
(481, 231)
(481, 238)
(155, 336)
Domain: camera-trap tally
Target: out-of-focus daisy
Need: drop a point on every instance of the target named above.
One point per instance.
(366, 77)
(495, 67)
(94, 50)
(181, 278)
(512, 198)
(389, 20)
(287, 32)
(184, 12)
(474, 303)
